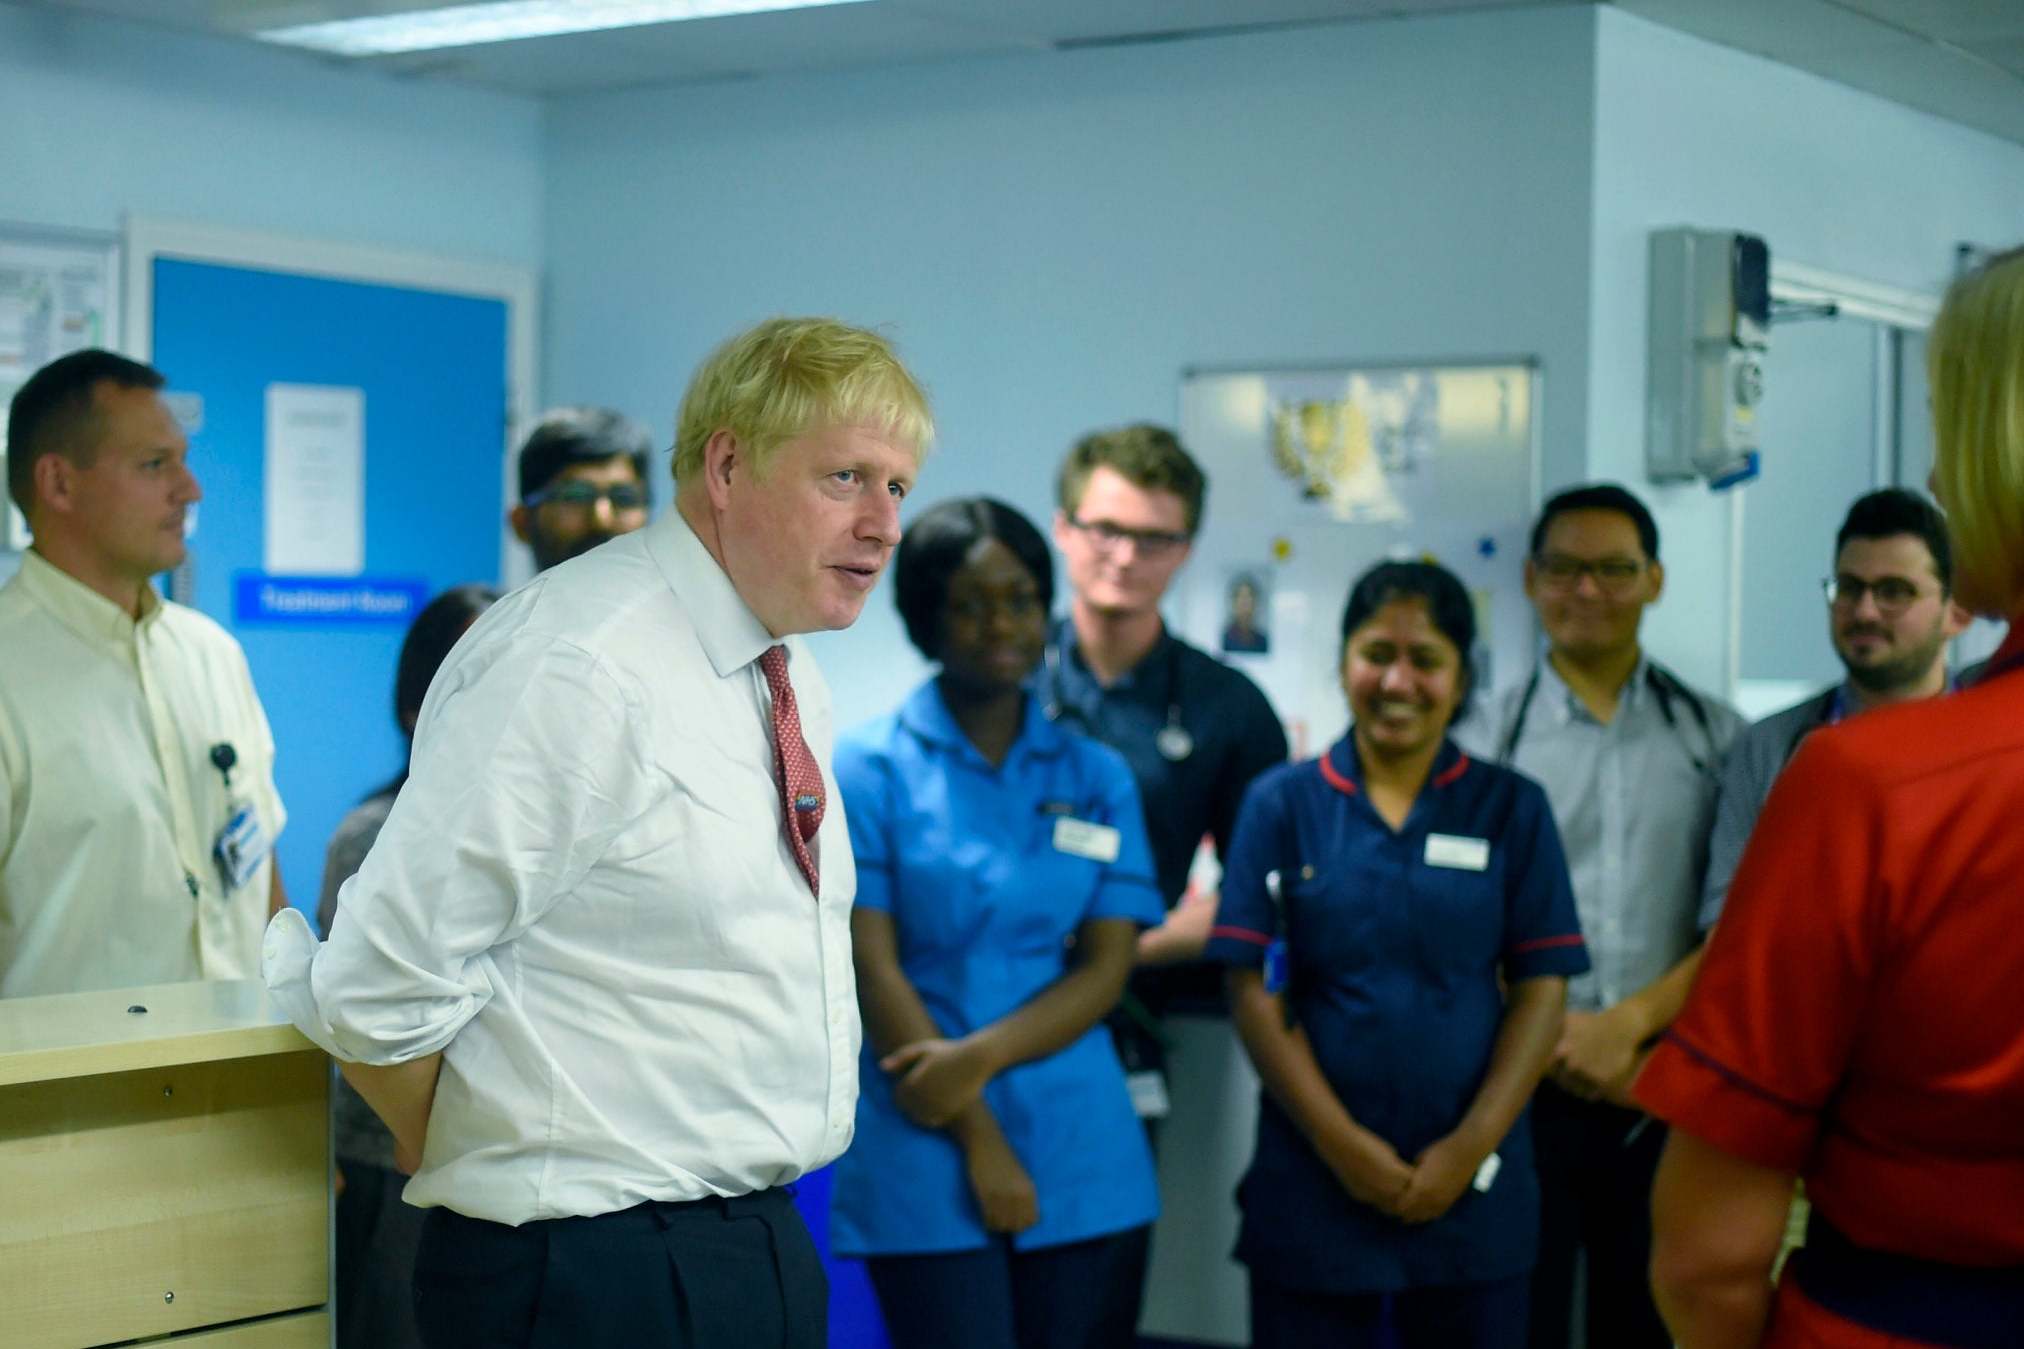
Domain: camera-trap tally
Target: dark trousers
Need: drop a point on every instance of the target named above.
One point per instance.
(377, 1235)
(1084, 1295)
(1455, 1316)
(710, 1274)
(1596, 1163)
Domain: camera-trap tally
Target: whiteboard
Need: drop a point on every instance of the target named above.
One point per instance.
(59, 293)
(1316, 474)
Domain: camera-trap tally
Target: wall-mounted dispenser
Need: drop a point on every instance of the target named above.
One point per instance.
(1710, 325)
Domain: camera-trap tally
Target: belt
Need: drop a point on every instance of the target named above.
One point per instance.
(1956, 1306)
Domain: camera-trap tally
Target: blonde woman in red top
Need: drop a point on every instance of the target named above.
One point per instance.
(1859, 1018)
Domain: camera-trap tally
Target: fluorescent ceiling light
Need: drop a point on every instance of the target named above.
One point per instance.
(470, 25)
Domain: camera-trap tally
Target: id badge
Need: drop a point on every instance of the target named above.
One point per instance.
(1084, 838)
(241, 847)
(1148, 1088)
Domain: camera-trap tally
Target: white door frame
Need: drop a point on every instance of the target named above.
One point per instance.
(151, 237)
(1886, 306)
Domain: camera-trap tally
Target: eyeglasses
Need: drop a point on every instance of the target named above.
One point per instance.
(1613, 575)
(1892, 594)
(1151, 542)
(623, 498)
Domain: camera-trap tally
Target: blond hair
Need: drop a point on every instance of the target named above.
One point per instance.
(788, 376)
(1975, 366)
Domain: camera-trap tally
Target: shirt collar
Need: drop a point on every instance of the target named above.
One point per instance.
(1072, 665)
(80, 608)
(926, 715)
(1342, 766)
(731, 634)
(1563, 705)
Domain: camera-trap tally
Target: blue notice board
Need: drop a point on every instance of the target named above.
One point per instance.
(432, 367)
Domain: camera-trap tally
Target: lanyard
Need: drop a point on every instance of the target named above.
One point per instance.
(1174, 742)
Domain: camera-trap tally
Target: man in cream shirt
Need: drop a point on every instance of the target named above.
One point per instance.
(596, 972)
(137, 804)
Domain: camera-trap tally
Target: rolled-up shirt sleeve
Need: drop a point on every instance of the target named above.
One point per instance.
(527, 763)
(1765, 1037)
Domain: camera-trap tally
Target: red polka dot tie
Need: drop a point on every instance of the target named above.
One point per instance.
(801, 795)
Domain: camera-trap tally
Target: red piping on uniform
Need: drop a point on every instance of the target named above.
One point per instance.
(1546, 943)
(1241, 934)
(1336, 779)
(1455, 770)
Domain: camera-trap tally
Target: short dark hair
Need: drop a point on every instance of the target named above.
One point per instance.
(1892, 511)
(932, 551)
(1149, 457)
(1448, 605)
(1600, 496)
(53, 414)
(581, 435)
(428, 644)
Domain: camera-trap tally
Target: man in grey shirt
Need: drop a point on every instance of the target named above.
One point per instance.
(1629, 757)
(1890, 615)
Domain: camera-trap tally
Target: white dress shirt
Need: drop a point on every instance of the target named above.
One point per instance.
(110, 804)
(1634, 800)
(584, 896)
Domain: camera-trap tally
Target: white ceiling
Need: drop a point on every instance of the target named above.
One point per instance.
(1960, 59)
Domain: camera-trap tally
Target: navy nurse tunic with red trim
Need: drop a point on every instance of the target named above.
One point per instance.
(1395, 940)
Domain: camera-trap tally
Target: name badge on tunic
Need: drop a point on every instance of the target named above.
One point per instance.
(1083, 838)
(1458, 852)
(242, 845)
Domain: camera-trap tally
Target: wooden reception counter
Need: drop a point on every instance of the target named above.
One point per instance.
(164, 1171)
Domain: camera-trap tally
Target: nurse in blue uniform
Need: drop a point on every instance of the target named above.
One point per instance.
(999, 1185)
(1428, 931)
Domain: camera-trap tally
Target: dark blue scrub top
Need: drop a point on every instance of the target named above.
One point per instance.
(1393, 966)
(1236, 737)
(984, 900)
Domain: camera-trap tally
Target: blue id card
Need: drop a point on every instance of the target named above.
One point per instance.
(240, 849)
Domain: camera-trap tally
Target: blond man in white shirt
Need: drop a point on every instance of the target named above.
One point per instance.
(595, 986)
(137, 804)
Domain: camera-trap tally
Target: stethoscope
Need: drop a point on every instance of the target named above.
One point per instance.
(1173, 742)
(1664, 686)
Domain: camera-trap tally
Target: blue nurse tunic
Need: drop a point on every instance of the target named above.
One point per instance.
(1394, 941)
(986, 885)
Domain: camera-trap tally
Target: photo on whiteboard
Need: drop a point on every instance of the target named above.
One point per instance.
(1248, 600)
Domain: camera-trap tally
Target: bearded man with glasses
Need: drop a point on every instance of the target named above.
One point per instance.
(1890, 615)
(583, 482)
(1629, 756)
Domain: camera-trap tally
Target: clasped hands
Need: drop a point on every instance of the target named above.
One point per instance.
(1417, 1192)
(1599, 1055)
(936, 1080)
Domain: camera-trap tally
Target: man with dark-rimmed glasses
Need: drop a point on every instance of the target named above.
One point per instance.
(583, 482)
(1629, 756)
(1194, 731)
(1890, 615)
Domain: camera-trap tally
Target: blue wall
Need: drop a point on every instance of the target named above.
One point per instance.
(1053, 237)
(104, 118)
(1689, 133)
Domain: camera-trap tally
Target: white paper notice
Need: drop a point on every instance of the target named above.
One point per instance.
(315, 480)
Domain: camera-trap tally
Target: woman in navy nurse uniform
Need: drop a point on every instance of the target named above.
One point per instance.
(1000, 1184)
(1429, 930)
